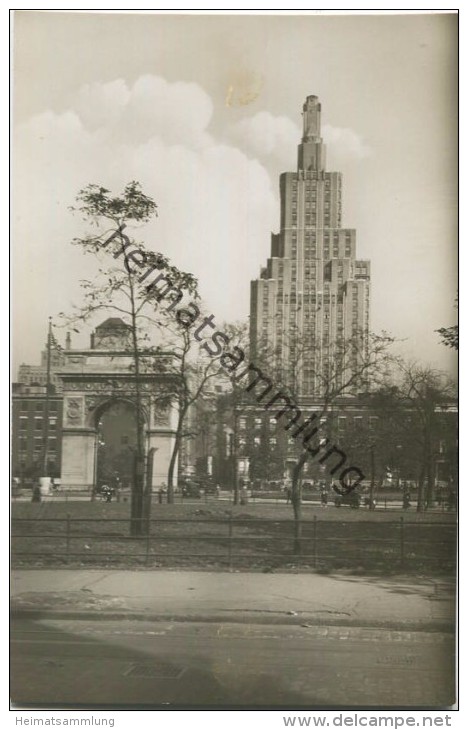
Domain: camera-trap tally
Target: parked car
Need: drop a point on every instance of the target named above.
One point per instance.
(190, 489)
(105, 492)
(352, 500)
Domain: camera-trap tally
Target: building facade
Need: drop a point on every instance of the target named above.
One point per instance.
(37, 374)
(313, 292)
(29, 431)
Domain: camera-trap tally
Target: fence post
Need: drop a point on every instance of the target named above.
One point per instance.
(402, 541)
(315, 541)
(230, 541)
(67, 539)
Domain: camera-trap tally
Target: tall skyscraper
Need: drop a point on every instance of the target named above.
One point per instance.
(313, 293)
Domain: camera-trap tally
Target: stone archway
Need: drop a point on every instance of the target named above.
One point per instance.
(94, 379)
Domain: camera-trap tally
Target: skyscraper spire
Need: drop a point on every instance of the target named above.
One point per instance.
(311, 151)
(311, 120)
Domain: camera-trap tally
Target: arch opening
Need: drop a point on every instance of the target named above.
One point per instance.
(116, 441)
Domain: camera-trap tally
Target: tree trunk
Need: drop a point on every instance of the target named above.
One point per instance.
(372, 484)
(430, 477)
(140, 512)
(175, 451)
(422, 474)
(138, 523)
(296, 500)
(170, 473)
(235, 476)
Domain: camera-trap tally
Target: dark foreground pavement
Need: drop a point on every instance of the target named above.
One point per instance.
(153, 639)
(135, 663)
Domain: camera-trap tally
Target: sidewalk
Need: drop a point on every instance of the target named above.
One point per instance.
(397, 602)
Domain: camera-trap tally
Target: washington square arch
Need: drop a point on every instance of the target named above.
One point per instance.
(99, 414)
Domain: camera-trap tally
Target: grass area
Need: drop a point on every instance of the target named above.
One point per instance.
(198, 535)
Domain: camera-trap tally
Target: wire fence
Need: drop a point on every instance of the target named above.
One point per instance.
(233, 542)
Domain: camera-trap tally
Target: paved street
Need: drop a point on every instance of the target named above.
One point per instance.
(191, 663)
(216, 638)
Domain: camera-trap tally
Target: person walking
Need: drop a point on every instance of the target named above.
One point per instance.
(36, 493)
(324, 496)
(406, 499)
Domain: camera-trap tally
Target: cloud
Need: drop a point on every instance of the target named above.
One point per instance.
(269, 138)
(216, 203)
(274, 140)
(345, 143)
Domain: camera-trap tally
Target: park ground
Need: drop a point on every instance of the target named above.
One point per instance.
(210, 535)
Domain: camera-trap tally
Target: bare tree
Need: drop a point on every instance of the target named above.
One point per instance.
(193, 373)
(418, 399)
(347, 367)
(235, 399)
(122, 286)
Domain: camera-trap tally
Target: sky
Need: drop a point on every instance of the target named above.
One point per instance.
(205, 112)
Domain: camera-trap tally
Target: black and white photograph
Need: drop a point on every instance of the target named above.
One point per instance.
(234, 356)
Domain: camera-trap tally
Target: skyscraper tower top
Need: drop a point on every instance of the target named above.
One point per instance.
(311, 119)
(311, 152)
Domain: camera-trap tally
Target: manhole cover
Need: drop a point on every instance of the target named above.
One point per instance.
(154, 670)
(52, 663)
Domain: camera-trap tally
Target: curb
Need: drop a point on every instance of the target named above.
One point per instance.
(233, 618)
